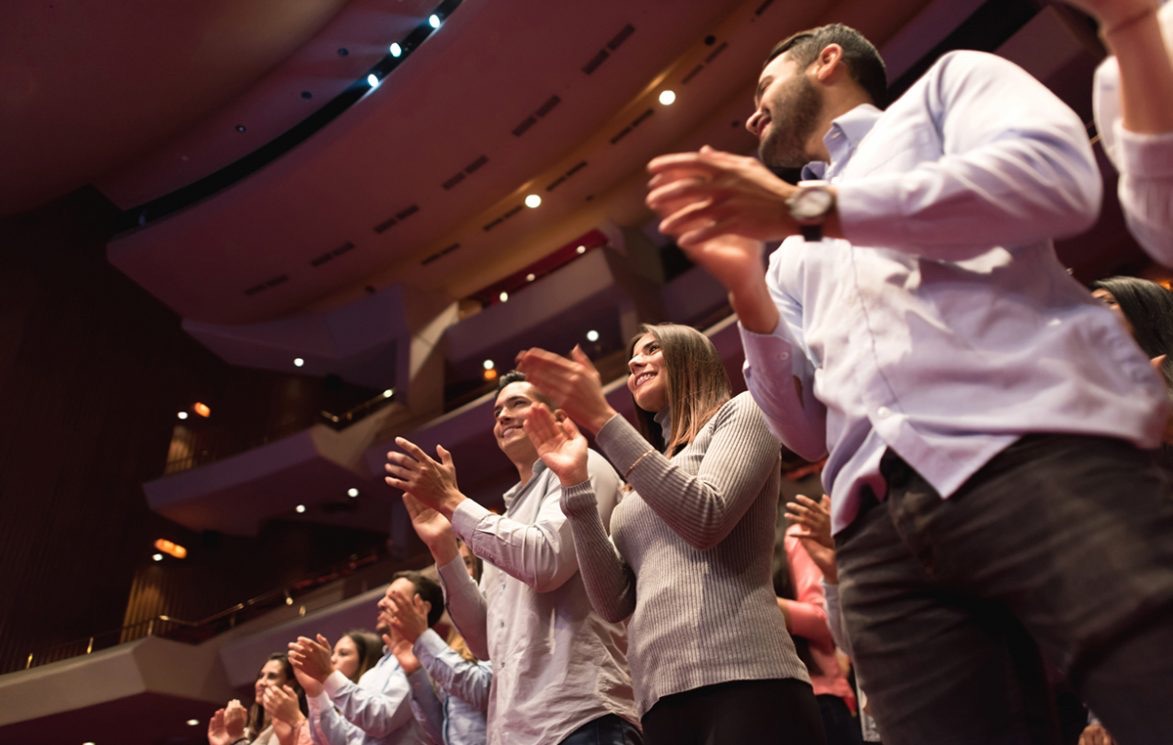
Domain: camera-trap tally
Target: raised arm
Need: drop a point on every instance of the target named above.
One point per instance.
(702, 508)
(468, 681)
(609, 582)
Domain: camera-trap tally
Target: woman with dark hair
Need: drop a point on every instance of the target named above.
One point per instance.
(1146, 310)
(233, 724)
(688, 560)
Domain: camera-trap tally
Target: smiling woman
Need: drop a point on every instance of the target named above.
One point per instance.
(688, 557)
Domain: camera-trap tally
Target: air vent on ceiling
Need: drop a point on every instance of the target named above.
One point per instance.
(647, 114)
(439, 254)
(547, 106)
(468, 170)
(714, 54)
(331, 255)
(599, 57)
(268, 284)
(397, 218)
(502, 218)
(692, 73)
(570, 172)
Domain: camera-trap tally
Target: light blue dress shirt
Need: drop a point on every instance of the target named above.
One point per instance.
(450, 695)
(377, 711)
(944, 326)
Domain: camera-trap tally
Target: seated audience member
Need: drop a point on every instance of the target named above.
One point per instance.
(688, 559)
(376, 710)
(798, 585)
(355, 652)
(234, 724)
(454, 711)
(1135, 121)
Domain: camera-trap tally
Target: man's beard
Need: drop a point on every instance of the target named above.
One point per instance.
(797, 107)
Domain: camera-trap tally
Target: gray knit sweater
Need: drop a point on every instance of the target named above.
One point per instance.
(689, 555)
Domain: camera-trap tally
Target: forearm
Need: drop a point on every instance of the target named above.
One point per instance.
(328, 727)
(702, 507)
(1145, 70)
(468, 681)
(609, 582)
(426, 707)
(465, 605)
(376, 713)
(532, 553)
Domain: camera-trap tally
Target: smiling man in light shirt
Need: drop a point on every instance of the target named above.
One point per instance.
(987, 426)
(559, 670)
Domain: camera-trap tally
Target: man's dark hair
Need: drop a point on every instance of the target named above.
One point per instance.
(428, 590)
(516, 376)
(862, 60)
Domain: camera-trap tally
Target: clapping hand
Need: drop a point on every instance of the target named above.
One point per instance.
(559, 444)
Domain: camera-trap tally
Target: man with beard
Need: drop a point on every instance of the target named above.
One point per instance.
(376, 711)
(985, 423)
(559, 670)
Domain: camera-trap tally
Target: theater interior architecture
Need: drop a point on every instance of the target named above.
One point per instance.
(244, 245)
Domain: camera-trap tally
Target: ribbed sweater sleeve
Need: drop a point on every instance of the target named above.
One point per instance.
(610, 583)
(704, 508)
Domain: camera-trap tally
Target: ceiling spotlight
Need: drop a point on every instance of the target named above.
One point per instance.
(667, 97)
(395, 49)
(300, 509)
(488, 364)
(580, 250)
(193, 722)
(489, 375)
(530, 277)
(202, 409)
(533, 201)
(389, 393)
(171, 548)
(373, 80)
(434, 21)
(503, 297)
(298, 362)
(592, 335)
(156, 557)
(352, 492)
(182, 415)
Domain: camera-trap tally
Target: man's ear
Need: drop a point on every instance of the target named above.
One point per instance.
(829, 63)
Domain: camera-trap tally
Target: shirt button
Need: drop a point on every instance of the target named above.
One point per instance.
(883, 412)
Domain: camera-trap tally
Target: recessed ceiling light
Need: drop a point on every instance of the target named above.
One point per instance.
(580, 250)
(533, 201)
(298, 362)
(352, 492)
(156, 557)
(299, 509)
(592, 335)
(530, 277)
(667, 97)
(182, 415)
(434, 21)
(395, 49)
(241, 128)
(202, 409)
(193, 722)
(389, 393)
(488, 364)
(373, 80)
(503, 297)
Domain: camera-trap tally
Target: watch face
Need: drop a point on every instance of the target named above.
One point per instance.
(811, 203)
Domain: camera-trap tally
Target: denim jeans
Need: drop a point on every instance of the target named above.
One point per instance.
(607, 730)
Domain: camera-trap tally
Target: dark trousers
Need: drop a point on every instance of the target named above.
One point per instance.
(744, 711)
(606, 730)
(842, 727)
(1058, 550)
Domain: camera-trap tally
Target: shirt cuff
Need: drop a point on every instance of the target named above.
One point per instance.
(1144, 155)
(578, 498)
(334, 684)
(622, 443)
(466, 517)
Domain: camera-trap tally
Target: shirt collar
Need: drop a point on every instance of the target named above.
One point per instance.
(845, 134)
(517, 489)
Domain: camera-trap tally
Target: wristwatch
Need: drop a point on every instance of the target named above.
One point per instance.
(809, 207)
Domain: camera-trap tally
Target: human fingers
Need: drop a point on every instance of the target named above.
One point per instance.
(412, 505)
(689, 164)
(445, 456)
(415, 451)
(582, 358)
(539, 423)
(323, 642)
